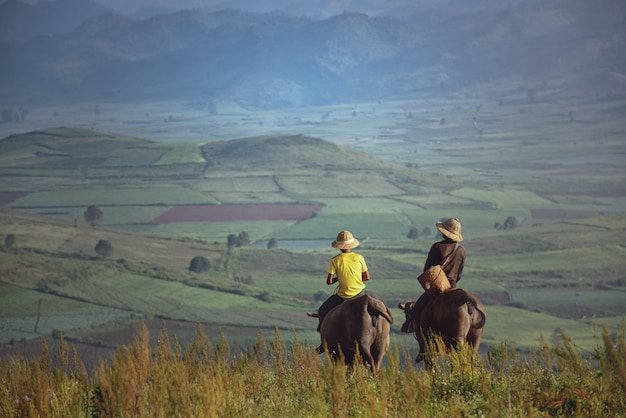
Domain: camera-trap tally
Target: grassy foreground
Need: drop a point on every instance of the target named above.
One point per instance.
(274, 379)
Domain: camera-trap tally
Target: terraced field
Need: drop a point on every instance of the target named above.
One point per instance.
(561, 268)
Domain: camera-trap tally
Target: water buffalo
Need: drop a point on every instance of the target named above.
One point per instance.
(456, 315)
(361, 324)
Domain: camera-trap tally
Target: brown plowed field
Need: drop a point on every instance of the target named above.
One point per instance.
(225, 213)
(8, 197)
(562, 214)
(590, 193)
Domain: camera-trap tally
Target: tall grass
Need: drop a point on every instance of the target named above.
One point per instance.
(204, 379)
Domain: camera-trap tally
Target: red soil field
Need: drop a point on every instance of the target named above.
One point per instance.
(590, 193)
(8, 197)
(225, 213)
(562, 214)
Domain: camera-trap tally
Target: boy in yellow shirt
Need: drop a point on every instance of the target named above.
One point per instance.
(347, 268)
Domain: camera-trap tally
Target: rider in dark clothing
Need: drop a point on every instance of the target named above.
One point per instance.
(451, 231)
(454, 267)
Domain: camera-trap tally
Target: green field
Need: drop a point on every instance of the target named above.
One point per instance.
(377, 170)
(113, 196)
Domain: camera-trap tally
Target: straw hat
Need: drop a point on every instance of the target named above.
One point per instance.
(345, 241)
(450, 228)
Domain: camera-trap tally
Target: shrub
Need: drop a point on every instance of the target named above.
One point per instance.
(266, 297)
(511, 222)
(9, 241)
(241, 240)
(199, 264)
(104, 248)
(93, 214)
(249, 280)
(320, 296)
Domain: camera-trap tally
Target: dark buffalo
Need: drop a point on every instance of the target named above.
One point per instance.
(361, 324)
(456, 315)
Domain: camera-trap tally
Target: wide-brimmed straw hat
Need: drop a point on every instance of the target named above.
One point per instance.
(450, 228)
(345, 241)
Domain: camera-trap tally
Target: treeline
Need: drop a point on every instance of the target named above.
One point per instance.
(14, 115)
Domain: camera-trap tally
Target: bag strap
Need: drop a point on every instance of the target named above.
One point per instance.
(445, 260)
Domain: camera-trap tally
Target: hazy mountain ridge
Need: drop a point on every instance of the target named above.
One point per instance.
(20, 21)
(273, 60)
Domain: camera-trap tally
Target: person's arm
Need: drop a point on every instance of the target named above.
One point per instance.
(330, 279)
(365, 276)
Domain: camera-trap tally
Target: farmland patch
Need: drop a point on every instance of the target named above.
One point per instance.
(319, 186)
(19, 317)
(371, 185)
(575, 303)
(531, 326)
(562, 214)
(589, 193)
(502, 198)
(102, 196)
(226, 213)
(255, 184)
(215, 231)
(236, 198)
(8, 197)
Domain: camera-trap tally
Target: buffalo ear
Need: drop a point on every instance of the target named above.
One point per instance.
(402, 305)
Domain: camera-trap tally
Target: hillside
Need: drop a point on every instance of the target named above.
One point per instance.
(84, 156)
(158, 204)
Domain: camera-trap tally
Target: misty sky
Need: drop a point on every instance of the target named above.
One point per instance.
(318, 8)
(134, 5)
(131, 6)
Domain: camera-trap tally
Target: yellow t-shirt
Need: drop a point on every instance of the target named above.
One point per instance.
(349, 268)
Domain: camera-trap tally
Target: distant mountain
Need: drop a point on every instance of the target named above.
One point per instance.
(301, 8)
(21, 21)
(273, 60)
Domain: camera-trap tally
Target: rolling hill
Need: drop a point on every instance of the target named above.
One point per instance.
(88, 156)
(52, 280)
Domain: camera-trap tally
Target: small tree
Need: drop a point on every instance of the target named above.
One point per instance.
(426, 232)
(104, 248)
(93, 214)
(413, 233)
(511, 222)
(320, 296)
(265, 297)
(238, 240)
(199, 264)
(9, 241)
(272, 243)
(244, 239)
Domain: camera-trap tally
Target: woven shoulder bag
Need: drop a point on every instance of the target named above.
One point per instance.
(434, 279)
